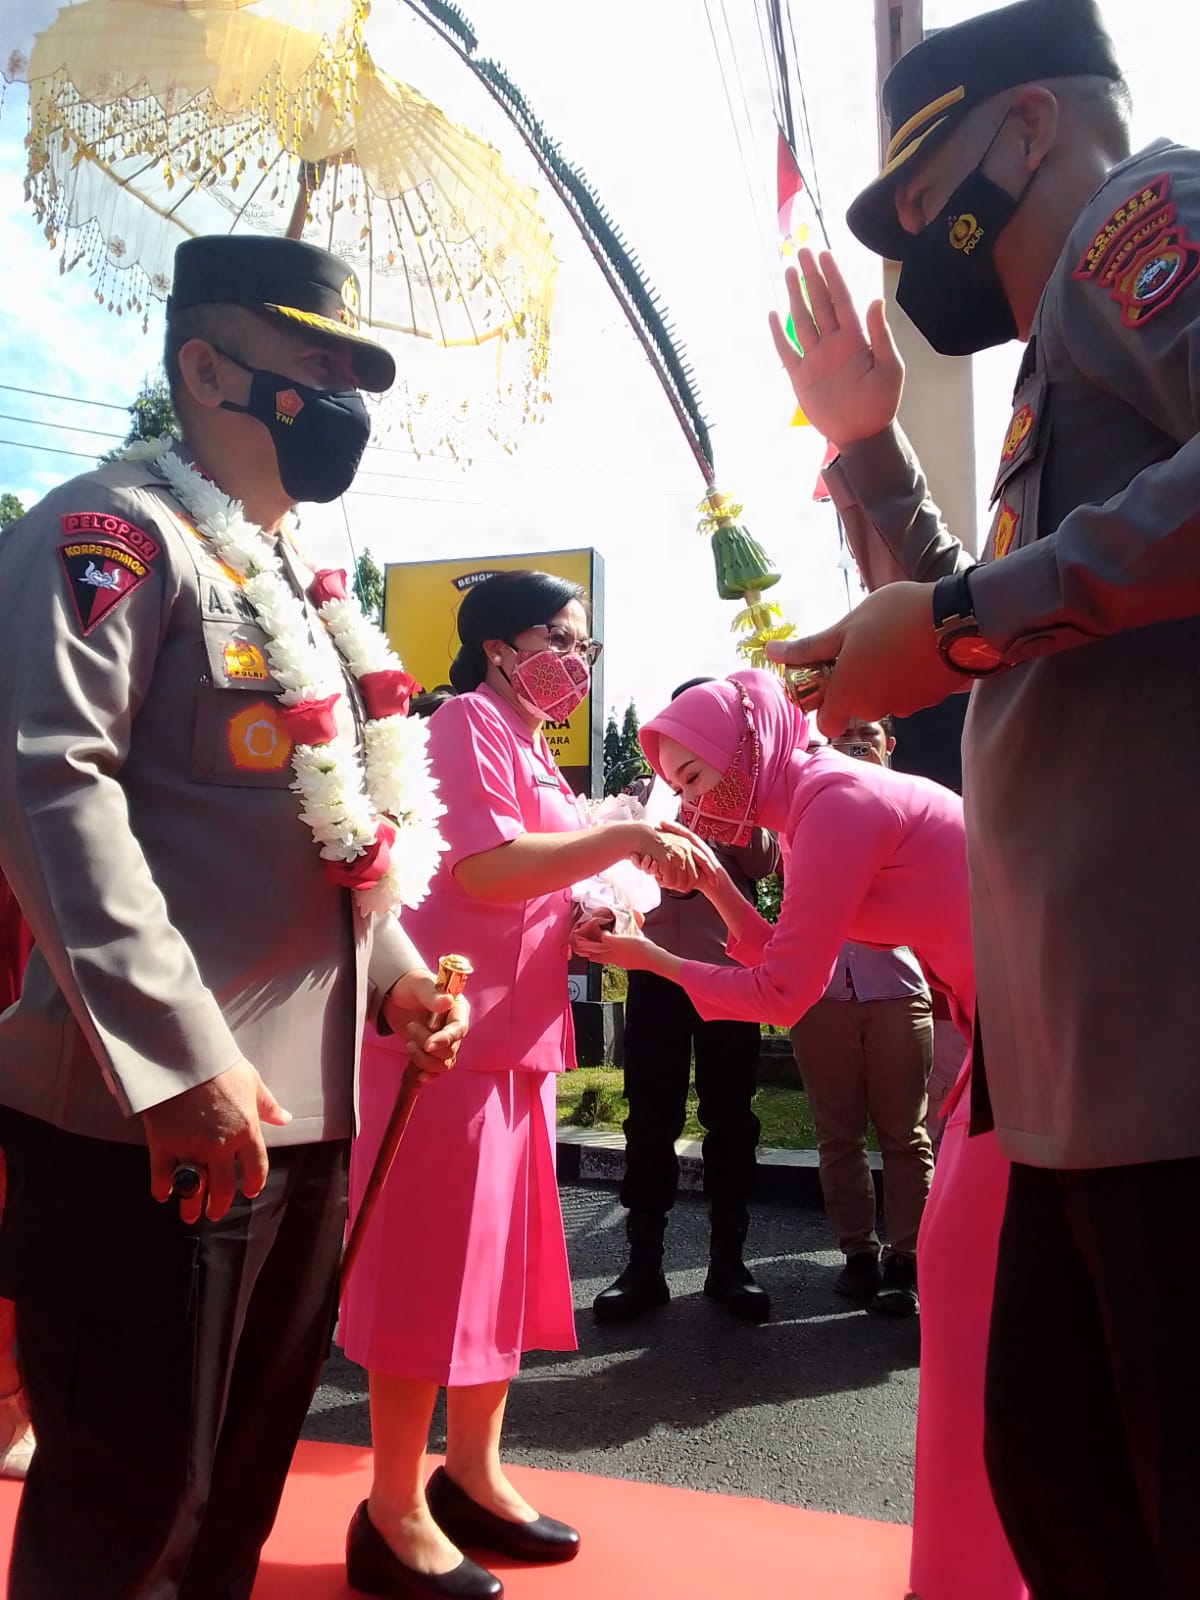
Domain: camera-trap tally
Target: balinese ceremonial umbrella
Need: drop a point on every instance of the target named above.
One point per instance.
(743, 569)
(154, 120)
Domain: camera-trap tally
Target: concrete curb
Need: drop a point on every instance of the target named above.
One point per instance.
(785, 1177)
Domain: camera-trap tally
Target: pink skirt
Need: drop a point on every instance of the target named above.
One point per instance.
(465, 1265)
(959, 1548)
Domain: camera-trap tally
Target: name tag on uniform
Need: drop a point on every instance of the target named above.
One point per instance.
(543, 779)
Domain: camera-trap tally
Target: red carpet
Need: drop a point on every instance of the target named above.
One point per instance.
(640, 1542)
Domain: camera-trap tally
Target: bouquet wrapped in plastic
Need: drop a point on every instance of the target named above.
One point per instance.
(619, 897)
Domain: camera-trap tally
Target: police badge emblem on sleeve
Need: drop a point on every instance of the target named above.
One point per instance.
(1142, 255)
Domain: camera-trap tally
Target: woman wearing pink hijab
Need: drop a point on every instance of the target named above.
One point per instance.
(877, 857)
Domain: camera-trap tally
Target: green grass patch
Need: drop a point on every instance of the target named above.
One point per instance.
(614, 983)
(592, 1098)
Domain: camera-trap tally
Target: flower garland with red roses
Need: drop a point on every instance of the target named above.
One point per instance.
(375, 821)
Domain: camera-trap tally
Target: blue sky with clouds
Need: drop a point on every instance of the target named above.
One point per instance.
(642, 104)
(53, 337)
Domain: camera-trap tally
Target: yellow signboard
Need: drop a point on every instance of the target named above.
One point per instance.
(420, 612)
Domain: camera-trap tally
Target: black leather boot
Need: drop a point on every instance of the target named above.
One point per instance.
(729, 1280)
(642, 1285)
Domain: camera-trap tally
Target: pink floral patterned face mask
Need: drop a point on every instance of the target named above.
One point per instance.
(550, 684)
(725, 815)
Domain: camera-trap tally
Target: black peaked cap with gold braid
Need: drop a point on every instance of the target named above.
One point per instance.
(930, 90)
(290, 279)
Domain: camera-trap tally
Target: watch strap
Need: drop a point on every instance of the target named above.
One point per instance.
(952, 598)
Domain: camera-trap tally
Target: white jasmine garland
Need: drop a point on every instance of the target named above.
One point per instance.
(362, 646)
(340, 801)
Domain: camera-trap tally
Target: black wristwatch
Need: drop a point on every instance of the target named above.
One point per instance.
(959, 641)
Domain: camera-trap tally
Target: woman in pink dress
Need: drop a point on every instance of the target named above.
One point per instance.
(878, 857)
(465, 1263)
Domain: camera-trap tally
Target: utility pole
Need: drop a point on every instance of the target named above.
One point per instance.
(938, 411)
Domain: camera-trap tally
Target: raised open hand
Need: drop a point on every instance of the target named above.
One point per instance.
(848, 382)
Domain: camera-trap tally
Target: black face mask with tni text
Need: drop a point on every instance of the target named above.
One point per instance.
(319, 434)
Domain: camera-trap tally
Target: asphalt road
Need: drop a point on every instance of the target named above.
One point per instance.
(815, 1408)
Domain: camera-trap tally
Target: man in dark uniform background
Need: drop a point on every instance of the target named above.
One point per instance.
(1010, 198)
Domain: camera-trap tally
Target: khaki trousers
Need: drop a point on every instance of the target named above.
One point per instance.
(949, 1051)
(868, 1062)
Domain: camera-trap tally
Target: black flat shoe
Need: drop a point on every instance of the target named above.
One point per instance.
(473, 1527)
(372, 1567)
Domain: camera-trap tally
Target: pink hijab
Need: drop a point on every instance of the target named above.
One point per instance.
(709, 720)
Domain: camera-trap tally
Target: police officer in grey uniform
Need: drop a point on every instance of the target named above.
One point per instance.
(1012, 201)
(200, 984)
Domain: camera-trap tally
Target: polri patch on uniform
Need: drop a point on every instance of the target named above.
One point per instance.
(1006, 531)
(100, 574)
(245, 662)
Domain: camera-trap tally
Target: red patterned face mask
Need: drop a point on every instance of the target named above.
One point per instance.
(725, 815)
(550, 684)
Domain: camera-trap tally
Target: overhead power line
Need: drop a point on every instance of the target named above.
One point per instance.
(768, 264)
(65, 427)
(466, 462)
(368, 494)
(45, 449)
(68, 399)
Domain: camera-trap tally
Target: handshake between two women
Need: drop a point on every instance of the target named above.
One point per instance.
(681, 863)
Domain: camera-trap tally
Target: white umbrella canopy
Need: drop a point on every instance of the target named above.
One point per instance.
(151, 121)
